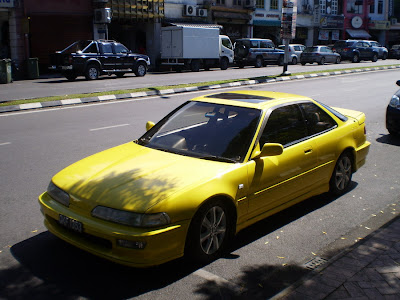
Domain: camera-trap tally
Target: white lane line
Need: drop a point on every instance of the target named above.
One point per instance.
(108, 127)
(219, 280)
(3, 144)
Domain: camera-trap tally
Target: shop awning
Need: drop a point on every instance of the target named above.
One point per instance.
(358, 33)
(267, 22)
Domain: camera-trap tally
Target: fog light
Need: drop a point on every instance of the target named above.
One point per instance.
(131, 244)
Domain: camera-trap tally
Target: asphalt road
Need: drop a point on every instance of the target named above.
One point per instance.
(58, 85)
(266, 257)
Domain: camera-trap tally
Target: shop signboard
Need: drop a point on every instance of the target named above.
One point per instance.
(289, 15)
(331, 22)
(6, 3)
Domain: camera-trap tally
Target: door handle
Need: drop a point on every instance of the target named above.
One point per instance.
(307, 150)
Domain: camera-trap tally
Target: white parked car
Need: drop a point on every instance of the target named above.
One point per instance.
(294, 52)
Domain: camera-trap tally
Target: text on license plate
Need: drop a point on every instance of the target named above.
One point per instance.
(70, 223)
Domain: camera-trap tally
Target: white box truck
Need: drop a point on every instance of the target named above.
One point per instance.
(195, 48)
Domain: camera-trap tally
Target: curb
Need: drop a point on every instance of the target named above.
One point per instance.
(57, 103)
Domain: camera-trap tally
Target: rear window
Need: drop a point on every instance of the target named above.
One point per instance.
(342, 44)
(311, 49)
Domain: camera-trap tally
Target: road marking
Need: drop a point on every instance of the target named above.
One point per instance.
(219, 280)
(3, 144)
(108, 127)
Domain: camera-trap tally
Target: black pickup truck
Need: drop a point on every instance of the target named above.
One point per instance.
(92, 58)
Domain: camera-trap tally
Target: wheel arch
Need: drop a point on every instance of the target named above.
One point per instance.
(93, 61)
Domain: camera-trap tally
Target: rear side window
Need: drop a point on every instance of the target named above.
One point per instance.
(285, 126)
(317, 119)
(254, 44)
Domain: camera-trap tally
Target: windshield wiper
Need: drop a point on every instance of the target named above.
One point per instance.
(218, 158)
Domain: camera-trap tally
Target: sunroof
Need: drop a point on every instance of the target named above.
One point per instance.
(241, 97)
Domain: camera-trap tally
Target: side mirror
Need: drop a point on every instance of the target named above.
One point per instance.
(149, 125)
(269, 149)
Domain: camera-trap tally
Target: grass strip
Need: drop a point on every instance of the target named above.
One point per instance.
(159, 88)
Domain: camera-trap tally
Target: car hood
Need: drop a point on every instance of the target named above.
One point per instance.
(133, 177)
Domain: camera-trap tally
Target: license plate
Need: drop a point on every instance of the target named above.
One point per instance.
(70, 223)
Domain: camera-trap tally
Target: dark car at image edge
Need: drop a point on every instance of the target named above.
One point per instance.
(92, 58)
(355, 50)
(393, 114)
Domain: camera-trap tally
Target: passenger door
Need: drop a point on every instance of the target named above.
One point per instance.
(122, 60)
(107, 57)
(278, 179)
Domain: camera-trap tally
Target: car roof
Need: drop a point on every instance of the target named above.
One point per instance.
(251, 99)
(253, 39)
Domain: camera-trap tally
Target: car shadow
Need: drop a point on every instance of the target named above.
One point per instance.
(389, 139)
(51, 268)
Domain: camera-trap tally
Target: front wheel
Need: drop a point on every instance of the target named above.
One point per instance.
(374, 57)
(224, 63)
(210, 232)
(385, 55)
(259, 62)
(341, 177)
(92, 72)
(355, 58)
(337, 61)
(294, 61)
(140, 69)
(322, 61)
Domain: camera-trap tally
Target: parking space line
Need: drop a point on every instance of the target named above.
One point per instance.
(108, 127)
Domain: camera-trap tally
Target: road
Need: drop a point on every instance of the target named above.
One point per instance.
(266, 257)
(56, 86)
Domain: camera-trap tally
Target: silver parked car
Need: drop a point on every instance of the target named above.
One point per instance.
(295, 51)
(320, 55)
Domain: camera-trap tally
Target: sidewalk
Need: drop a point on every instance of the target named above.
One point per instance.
(367, 270)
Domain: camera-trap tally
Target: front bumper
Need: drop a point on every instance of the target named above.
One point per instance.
(393, 119)
(100, 237)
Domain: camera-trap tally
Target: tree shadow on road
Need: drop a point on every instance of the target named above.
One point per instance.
(50, 268)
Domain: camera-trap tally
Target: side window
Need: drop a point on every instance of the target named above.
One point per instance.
(91, 49)
(317, 119)
(359, 45)
(285, 126)
(254, 44)
(120, 49)
(227, 43)
(263, 44)
(296, 48)
(270, 45)
(107, 49)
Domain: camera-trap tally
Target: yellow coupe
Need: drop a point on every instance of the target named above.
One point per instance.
(213, 166)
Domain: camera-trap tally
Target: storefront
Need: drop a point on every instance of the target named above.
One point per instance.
(330, 29)
(268, 26)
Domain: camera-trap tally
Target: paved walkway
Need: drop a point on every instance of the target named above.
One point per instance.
(367, 270)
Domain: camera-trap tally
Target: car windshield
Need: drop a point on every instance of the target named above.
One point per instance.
(205, 130)
(311, 49)
(77, 46)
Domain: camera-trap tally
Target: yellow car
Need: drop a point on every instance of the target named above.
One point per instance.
(213, 166)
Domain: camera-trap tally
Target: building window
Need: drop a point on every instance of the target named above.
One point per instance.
(355, 6)
(380, 7)
(322, 6)
(260, 4)
(220, 1)
(237, 2)
(334, 7)
(372, 7)
(274, 4)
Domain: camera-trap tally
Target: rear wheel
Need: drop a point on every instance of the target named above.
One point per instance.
(322, 61)
(259, 62)
(337, 60)
(140, 69)
(71, 76)
(341, 177)
(92, 72)
(195, 65)
(210, 232)
(294, 61)
(374, 57)
(355, 58)
(384, 56)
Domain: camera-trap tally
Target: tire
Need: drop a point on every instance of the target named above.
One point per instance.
(322, 61)
(210, 232)
(337, 61)
(384, 56)
(374, 57)
(259, 62)
(140, 69)
(71, 76)
(280, 60)
(294, 61)
(224, 63)
(195, 65)
(355, 58)
(92, 72)
(342, 174)
(120, 74)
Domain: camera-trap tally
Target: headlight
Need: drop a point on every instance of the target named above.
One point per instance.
(58, 194)
(130, 218)
(395, 102)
